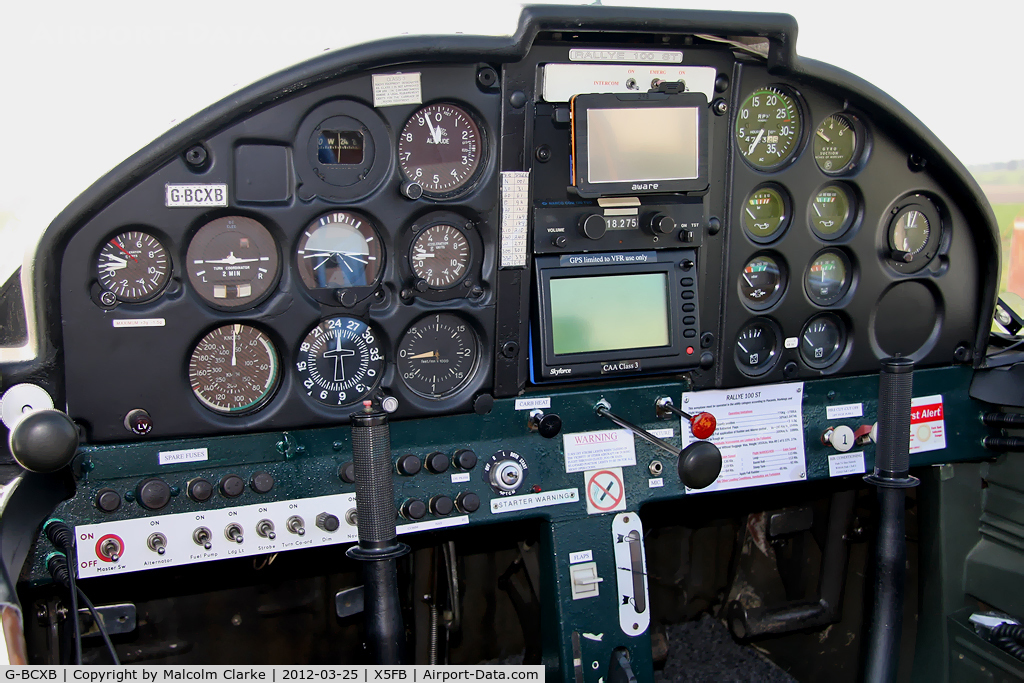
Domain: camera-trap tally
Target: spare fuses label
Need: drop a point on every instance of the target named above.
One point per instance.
(187, 455)
(927, 426)
(195, 195)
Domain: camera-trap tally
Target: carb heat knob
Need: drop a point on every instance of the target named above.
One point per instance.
(593, 226)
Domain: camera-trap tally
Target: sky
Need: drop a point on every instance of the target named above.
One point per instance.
(85, 85)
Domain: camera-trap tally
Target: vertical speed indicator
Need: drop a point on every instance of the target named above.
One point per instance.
(340, 361)
(768, 128)
(133, 266)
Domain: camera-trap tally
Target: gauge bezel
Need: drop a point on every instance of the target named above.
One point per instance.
(860, 144)
(272, 282)
(157, 291)
(330, 295)
(847, 285)
(927, 253)
(777, 348)
(852, 217)
(302, 355)
(473, 180)
(837, 352)
(470, 374)
(268, 395)
(784, 223)
(798, 145)
(419, 229)
(779, 292)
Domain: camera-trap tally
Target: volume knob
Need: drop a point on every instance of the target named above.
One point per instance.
(593, 226)
(660, 224)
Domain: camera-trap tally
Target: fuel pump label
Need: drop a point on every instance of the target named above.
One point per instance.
(927, 425)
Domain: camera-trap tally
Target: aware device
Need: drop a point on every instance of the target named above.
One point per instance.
(639, 143)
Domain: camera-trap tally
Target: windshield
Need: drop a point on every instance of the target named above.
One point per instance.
(85, 89)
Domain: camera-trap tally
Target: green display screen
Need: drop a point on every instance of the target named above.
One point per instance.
(609, 312)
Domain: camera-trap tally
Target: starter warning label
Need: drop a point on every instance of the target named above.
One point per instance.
(927, 426)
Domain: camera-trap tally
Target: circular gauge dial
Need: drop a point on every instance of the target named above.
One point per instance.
(831, 212)
(133, 266)
(835, 144)
(757, 347)
(765, 213)
(440, 256)
(437, 355)
(909, 232)
(234, 369)
(762, 282)
(768, 128)
(232, 262)
(340, 361)
(339, 250)
(822, 340)
(440, 148)
(828, 277)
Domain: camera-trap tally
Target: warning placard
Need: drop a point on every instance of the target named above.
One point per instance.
(605, 490)
(592, 450)
(927, 427)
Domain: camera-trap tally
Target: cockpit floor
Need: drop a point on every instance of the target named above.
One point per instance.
(703, 650)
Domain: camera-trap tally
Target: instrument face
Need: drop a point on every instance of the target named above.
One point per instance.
(234, 369)
(440, 149)
(758, 346)
(339, 250)
(762, 282)
(233, 263)
(766, 213)
(835, 144)
(340, 361)
(134, 266)
(828, 277)
(440, 256)
(822, 340)
(768, 128)
(438, 355)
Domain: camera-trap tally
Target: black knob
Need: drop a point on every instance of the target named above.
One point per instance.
(660, 224)
(409, 465)
(138, 421)
(464, 459)
(549, 426)
(593, 226)
(347, 473)
(328, 522)
(411, 190)
(700, 463)
(414, 508)
(441, 505)
(560, 241)
(153, 493)
(467, 501)
(261, 482)
(437, 462)
(108, 500)
(44, 441)
(199, 490)
(232, 485)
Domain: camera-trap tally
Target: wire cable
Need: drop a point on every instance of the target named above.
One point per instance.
(99, 624)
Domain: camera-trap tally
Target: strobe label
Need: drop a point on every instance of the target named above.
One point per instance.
(195, 195)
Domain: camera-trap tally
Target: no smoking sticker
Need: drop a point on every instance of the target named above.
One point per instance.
(605, 490)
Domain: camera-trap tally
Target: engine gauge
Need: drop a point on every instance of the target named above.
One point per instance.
(831, 212)
(233, 263)
(828, 277)
(340, 361)
(765, 213)
(768, 128)
(437, 355)
(133, 266)
(835, 144)
(822, 340)
(757, 346)
(339, 250)
(234, 369)
(440, 148)
(762, 282)
(440, 255)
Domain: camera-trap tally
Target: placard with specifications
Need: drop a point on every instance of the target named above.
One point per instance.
(760, 433)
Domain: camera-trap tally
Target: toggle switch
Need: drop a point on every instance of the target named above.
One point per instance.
(583, 580)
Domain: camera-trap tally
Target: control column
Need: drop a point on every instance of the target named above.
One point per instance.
(378, 546)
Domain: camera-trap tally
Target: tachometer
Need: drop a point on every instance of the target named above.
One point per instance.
(437, 355)
(133, 266)
(232, 262)
(768, 128)
(440, 149)
(234, 369)
(340, 361)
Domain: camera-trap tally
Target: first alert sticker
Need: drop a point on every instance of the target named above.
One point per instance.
(927, 426)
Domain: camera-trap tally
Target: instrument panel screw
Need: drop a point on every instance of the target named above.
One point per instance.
(720, 107)
(196, 156)
(543, 154)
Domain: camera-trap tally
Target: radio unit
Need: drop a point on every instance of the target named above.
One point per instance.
(615, 313)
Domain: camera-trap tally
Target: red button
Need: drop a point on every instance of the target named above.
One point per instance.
(703, 425)
(689, 350)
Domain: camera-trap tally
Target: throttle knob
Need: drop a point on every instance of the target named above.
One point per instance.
(700, 463)
(44, 441)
